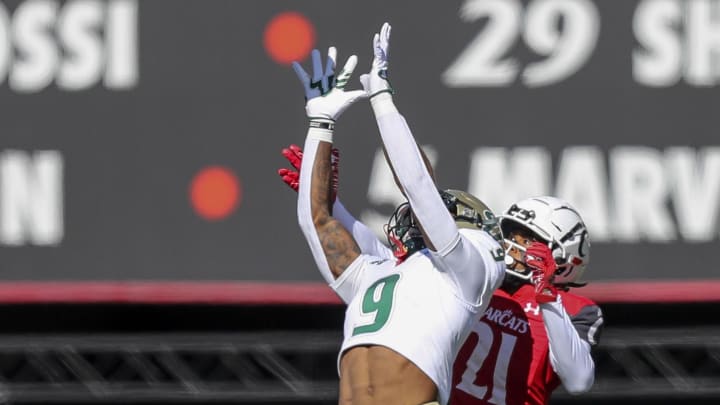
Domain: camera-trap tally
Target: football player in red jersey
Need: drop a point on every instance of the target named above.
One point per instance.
(535, 334)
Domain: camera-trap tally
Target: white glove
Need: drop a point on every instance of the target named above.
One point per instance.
(376, 82)
(325, 94)
(321, 81)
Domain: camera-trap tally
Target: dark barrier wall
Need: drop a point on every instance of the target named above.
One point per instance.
(141, 139)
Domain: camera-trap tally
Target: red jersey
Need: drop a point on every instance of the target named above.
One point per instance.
(506, 357)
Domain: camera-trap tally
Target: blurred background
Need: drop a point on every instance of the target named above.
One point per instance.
(149, 253)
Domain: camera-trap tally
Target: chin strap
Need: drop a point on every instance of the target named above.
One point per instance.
(399, 250)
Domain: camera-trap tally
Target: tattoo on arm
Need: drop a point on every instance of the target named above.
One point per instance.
(338, 244)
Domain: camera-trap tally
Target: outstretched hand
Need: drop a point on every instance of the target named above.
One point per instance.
(322, 80)
(376, 82)
(294, 156)
(325, 93)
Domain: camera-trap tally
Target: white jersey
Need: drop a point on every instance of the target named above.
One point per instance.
(420, 308)
(412, 308)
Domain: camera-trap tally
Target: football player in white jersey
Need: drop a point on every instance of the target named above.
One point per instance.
(404, 322)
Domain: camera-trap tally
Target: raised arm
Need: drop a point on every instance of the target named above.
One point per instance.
(333, 247)
(364, 236)
(426, 160)
(404, 156)
(467, 260)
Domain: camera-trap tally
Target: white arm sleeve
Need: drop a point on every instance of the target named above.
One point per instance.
(364, 236)
(408, 164)
(569, 354)
(304, 210)
(465, 263)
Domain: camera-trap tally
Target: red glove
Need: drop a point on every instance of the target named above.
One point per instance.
(294, 155)
(540, 260)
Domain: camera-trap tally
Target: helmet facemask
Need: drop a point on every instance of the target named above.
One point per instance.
(403, 234)
(516, 240)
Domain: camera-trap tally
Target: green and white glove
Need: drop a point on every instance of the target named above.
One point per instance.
(322, 80)
(376, 82)
(325, 94)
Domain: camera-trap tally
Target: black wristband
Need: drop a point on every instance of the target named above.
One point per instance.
(322, 125)
(390, 91)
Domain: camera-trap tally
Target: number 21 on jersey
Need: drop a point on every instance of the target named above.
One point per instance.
(487, 366)
(377, 304)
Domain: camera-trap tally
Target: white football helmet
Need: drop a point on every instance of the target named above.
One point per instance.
(556, 222)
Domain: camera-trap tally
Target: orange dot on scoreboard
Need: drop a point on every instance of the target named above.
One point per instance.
(289, 36)
(215, 193)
